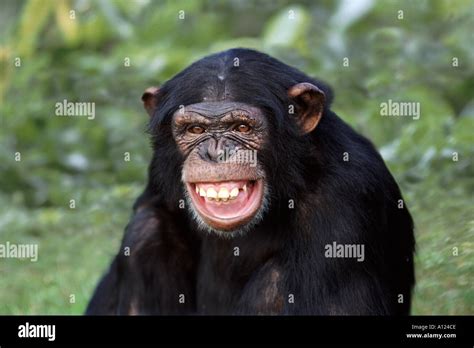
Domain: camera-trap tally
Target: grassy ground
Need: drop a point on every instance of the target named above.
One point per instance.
(76, 246)
(444, 222)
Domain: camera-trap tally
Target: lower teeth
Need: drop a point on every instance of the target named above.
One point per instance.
(221, 200)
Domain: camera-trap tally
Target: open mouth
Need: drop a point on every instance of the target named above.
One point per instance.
(226, 205)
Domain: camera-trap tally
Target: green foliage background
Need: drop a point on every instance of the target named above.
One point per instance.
(82, 59)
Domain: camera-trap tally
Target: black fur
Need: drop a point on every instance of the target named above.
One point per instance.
(354, 202)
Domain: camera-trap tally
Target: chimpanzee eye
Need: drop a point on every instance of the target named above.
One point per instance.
(242, 128)
(196, 129)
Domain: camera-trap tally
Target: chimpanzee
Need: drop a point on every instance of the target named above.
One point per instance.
(260, 200)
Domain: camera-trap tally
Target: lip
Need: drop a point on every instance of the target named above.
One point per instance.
(233, 214)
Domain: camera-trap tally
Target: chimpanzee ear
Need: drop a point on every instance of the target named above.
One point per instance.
(309, 101)
(150, 99)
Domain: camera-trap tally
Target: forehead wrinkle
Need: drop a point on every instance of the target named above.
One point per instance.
(180, 117)
(237, 115)
(227, 117)
(210, 111)
(232, 116)
(220, 107)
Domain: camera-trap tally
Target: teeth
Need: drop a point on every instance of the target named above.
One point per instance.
(211, 193)
(223, 193)
(234, 192)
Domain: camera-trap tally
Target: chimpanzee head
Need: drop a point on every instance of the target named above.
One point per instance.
(232, 127)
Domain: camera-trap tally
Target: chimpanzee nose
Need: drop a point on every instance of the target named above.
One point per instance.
(215, 149)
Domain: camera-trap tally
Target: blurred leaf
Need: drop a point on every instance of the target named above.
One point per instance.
(66, 24)
(348, 12)
(287, 27)
(32, 22)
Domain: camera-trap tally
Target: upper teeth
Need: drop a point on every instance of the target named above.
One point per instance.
(223, 194)
(211, 193)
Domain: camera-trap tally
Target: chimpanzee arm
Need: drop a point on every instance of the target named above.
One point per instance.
(273, 291)
(153, 272)
(106, 295)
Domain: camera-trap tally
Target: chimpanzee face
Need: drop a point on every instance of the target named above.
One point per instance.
(223, 177)
(220, 140)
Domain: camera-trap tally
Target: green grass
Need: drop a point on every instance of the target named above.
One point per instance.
(444, 221)
(75, 248)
